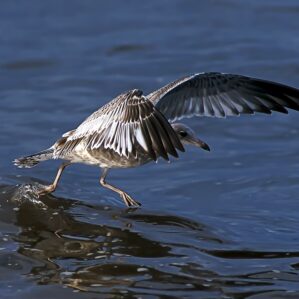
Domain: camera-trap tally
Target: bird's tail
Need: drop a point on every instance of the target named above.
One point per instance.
(32, 160)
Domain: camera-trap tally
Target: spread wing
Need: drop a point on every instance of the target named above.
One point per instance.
(124, 124)
(220, 95)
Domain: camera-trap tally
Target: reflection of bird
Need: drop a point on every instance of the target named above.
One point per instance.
(134, 129)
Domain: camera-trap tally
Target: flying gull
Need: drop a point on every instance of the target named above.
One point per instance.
(134, 129)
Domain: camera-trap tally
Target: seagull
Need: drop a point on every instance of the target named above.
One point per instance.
(134, 129)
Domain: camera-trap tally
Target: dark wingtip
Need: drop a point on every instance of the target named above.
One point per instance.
(174, 154)
(164, 155)
(206, 147)
(180, 146)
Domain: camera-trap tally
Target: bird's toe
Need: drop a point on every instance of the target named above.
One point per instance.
(129, 201)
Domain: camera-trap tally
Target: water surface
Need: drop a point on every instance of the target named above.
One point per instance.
(222, 224)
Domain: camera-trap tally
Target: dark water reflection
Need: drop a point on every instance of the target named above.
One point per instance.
(117, 256)
(222, 224)
(129, 252)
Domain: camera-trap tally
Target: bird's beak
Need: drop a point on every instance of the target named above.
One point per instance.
(197, 142)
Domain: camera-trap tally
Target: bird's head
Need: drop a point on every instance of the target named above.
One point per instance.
(188, 136)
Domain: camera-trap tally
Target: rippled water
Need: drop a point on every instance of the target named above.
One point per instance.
(222, 224)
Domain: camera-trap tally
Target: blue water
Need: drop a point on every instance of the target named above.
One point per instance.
(222, 224)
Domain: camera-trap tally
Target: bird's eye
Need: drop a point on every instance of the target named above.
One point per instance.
(183, 133)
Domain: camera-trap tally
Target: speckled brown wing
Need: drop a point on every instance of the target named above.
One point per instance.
(221, 95)
(120, 125)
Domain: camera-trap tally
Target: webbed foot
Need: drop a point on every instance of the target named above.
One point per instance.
(129, 201)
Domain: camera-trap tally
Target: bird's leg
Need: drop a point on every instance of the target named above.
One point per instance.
(129, 201)
(51, 188)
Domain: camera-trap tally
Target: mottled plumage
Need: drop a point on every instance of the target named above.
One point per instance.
(128, 128)
(132, 129)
